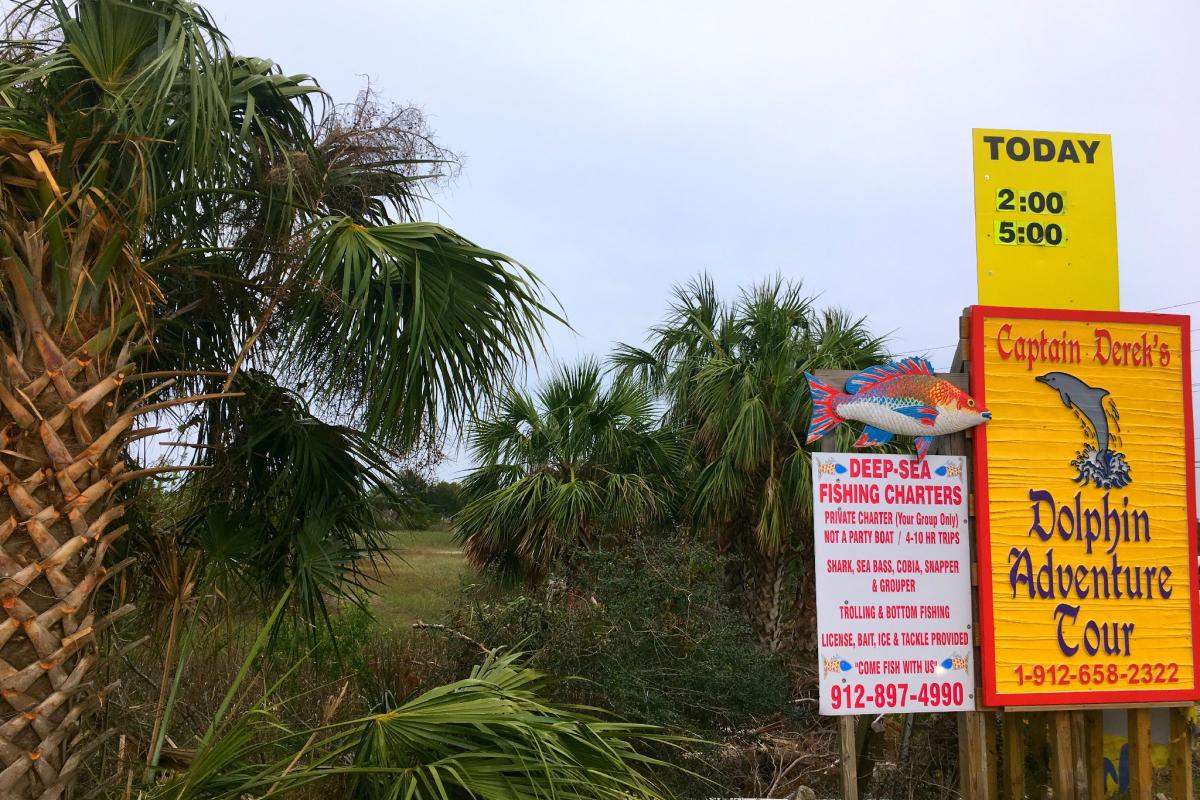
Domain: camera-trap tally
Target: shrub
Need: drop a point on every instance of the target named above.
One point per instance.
(649, 629)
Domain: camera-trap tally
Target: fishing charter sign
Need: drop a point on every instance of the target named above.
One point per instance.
(1085, 507)
(893, 575)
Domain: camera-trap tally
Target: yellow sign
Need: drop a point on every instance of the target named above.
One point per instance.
(1045, 219)
(1085, 507)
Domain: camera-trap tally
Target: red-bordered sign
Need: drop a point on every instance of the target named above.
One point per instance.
(1085, 507)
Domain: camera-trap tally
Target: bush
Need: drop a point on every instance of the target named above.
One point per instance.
(650, 631)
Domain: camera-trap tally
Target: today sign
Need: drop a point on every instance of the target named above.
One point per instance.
(1045, 219)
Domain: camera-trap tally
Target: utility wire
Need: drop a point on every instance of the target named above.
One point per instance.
(1177, 305)
(1147, 311)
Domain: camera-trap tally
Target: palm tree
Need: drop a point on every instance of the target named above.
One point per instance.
(580, 461)
(734, 377)
(194, 238)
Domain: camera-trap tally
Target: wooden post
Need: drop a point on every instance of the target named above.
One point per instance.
(965, 786)
(1014, 756)
(1038, 741)
(1180, 748)
(1141, 772)
(1079, 748)
(992, 762)
(1094, 725)
(849, 757)
(847, 735)
(977, 763)
(1062, 763)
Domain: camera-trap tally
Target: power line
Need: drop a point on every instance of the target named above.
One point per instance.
(924, 350)
(1147, 311)
(1177, 305)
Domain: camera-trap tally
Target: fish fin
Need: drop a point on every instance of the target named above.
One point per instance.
(885, 372)
(1066, 398)
(824, 419)
(873, 437)
(916, 365)
(922, 443)
(926, 415)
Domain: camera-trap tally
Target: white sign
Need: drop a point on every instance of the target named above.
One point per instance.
(893, 569)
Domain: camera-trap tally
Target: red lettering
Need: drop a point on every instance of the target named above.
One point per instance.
(1002, 336)
(1103, 346)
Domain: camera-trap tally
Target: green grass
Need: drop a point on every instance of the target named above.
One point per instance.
(420, 580)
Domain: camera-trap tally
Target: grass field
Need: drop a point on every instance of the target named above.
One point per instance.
(420, 580)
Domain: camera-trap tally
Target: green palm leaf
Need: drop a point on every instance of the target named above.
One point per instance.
(408, 323)
(492, 735)
(581, 461)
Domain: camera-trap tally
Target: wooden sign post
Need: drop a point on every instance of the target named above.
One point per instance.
(1019, 748)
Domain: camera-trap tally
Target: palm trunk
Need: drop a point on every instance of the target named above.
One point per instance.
(803, 623)
(74, 302)
(60, 444)
(771, 601)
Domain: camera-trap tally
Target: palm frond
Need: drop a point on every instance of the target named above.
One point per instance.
(286, 501)
(494, 735)
(409, 325)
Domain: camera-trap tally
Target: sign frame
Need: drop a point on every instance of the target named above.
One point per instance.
(915, 664)
(989, 696)
(1079, 270)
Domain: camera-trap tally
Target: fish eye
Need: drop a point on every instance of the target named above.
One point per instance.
(970, 403)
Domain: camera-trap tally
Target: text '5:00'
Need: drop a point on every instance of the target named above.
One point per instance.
(1035, 233)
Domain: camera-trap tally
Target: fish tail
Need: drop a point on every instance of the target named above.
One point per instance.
(824, 419)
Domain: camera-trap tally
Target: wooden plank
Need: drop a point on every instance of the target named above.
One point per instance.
(1120, 706)
(847, 734)
(962, 353)
(1062, 762)
(1180, 748)
(1141, 772)
(1038, 742)
(964, 757)
(1014, 756)
(1079, 748)
(837, 377)
(849, 757)
(978, 770)
(991, 764)
(1094, 724)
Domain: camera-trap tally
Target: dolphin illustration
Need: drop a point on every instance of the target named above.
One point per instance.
(1089, 401)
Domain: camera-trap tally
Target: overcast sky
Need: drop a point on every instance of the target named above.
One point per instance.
(620, 148)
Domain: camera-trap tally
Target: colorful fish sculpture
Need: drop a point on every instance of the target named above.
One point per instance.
(903, 397)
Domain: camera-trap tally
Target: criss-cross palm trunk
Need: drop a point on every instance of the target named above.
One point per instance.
(68, 406)
(59, 467)
(771, 600)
